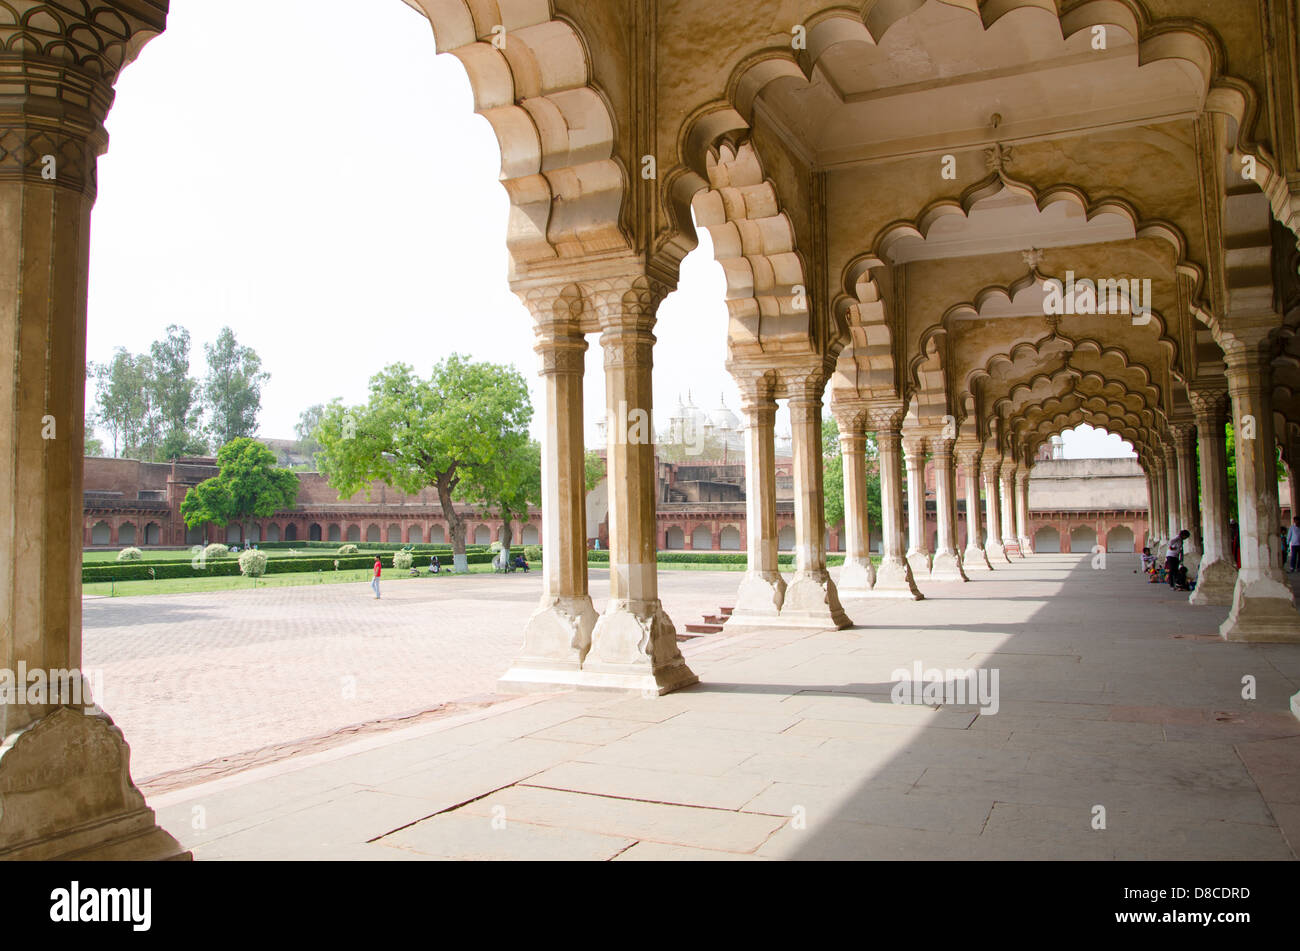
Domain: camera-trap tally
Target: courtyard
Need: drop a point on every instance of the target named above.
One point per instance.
(1119, 729)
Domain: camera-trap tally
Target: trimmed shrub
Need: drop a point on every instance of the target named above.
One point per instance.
(494, 547)
(252, 563)
(348, 549)
(135, 571)
(130, 554)
(216, 550)
(403, 560)
(533, 552)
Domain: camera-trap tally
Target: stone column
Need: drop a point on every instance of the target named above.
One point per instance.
(1263, 606)
(946, 564)
(1022, 510)
(811, 598)
(1173, 506)
(858, 575)
(1217, 575)
(975, 558)
(1148, 538)
(1161, 524)
(762, 590)
(1184, 436)
(1007, 490)
(558, 635)
(993, 549)
(918, 546)
(65, 781)
(634, 644)
(894, 577)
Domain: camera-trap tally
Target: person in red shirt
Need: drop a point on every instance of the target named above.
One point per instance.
(374, 582)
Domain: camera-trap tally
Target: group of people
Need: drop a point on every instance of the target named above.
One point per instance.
(519, 562)
(1173, 571)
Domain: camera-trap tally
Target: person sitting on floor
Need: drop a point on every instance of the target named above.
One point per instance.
(521, 562)
(434, 565)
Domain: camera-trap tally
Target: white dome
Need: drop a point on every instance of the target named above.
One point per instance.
(725, 419)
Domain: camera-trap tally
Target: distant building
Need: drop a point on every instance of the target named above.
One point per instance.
(128, 502)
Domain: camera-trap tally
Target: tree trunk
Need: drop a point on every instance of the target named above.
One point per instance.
(507, 536)
(455, 524)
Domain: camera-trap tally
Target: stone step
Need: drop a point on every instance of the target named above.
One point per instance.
(716, 618)
(704, 628)
(726, 611)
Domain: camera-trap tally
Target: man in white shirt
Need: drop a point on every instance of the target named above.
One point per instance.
(1293, 543)
(1174, 557)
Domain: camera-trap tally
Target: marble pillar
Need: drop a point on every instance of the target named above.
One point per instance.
(1007, 491)
(945, 565)
(918, 546)
(762, 590)
(811, 598)
(1184, 436)
(1022, 510)
(1217, 574)
(634, 643)
(858, 574)
(894, 578)
(65, 779)
(993, 549)
(974, 558)
(1263, 605)
(558, 635)
(1173, 505)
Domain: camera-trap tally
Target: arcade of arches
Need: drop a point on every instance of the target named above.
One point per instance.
(891, 189)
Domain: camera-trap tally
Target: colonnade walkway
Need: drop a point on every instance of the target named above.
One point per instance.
(1111, 694)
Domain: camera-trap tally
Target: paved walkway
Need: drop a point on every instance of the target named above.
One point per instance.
(204, 678)
(1113, 695)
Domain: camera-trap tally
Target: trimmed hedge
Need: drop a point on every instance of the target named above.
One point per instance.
(135, 571)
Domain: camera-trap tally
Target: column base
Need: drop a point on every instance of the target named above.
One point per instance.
(976, 559)
(1215, 583)
(1295, 706)
(556, 640)
(759, 599)
(811, 600)
(66, 791)
(894, 579)
(634, 650)
(996, 553)
(856, 577)
(1026, 547)
(919, 562)
(946, 567)
(1263, 611)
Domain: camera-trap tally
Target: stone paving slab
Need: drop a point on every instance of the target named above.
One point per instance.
(790, 748)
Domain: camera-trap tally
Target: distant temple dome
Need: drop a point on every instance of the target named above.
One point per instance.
(724, 420)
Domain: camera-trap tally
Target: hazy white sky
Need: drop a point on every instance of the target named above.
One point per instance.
(331, 196)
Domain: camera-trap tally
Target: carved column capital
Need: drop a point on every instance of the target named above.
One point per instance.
(59, 64)
(1211, 405)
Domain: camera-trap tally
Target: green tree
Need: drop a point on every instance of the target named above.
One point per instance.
(232, 390)
(94, 446)
(414, 433)
(248, 485)
(124, 405)
(594, 469)
(305, 429)
(833, 475)
(506, 486)
(1232, 471)
(175, 395)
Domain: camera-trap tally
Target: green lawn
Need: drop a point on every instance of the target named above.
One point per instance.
(120, 589)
